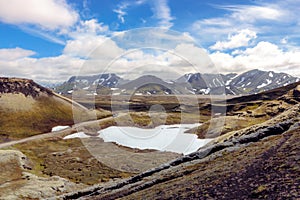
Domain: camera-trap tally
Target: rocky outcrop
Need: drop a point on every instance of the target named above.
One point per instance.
(286, 119)
(17, 181)
(23, 86)
(12, 163)
(35, 187)
(296, 91)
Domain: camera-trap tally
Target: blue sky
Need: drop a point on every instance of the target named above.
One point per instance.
(50, 40)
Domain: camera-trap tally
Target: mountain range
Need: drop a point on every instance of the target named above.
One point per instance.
(250, 82)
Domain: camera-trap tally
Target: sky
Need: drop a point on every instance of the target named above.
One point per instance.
(50, 40)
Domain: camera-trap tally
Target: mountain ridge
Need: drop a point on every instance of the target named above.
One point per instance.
(249, 82)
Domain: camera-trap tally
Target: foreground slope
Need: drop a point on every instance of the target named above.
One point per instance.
(27, 109)
(259, 161)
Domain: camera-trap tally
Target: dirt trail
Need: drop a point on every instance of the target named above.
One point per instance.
(57, 133)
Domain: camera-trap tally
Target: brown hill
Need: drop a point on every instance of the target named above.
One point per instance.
(27, 109)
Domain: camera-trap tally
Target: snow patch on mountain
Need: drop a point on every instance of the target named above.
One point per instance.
(264, 84)
(271, 74)
(205, 91)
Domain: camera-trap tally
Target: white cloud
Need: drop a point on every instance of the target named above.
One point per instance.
(161, 63)
(263, 49)
(163, 13)
(49, 69)
(253, 13)
(184, 58)
(121, 13)
(160, 8)
(284, 40)
(121, 8)
(225, 62)
(240, 39)
(15, 54)
(196, 56)
(91, 26)
(42, 34)
(266, 19)
(48, 14)
(96, 47)
(264, 55)
(211, 30)
(52, 20)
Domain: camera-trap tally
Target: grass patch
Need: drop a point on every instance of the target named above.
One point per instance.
(45, 113)
(222, 125)
(151, 120)
(68, 159)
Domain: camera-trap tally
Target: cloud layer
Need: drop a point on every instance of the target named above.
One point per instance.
(163, 13)
(264, 55)
(184, 58)
(48, 14)
(14, 54)
(237, 41)
(241, 39)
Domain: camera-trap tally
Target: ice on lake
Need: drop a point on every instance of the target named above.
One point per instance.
(163, 138)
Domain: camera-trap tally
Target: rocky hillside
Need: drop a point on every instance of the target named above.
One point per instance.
(24, 86)
(15, 173)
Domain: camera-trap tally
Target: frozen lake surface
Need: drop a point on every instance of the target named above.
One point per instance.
(164, 138)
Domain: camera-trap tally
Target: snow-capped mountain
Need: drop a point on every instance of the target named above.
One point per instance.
(150, 84)
(147, 84)
(208, 83)
(92, 82)
(255, 81)
(250, 82)
(106, 80)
